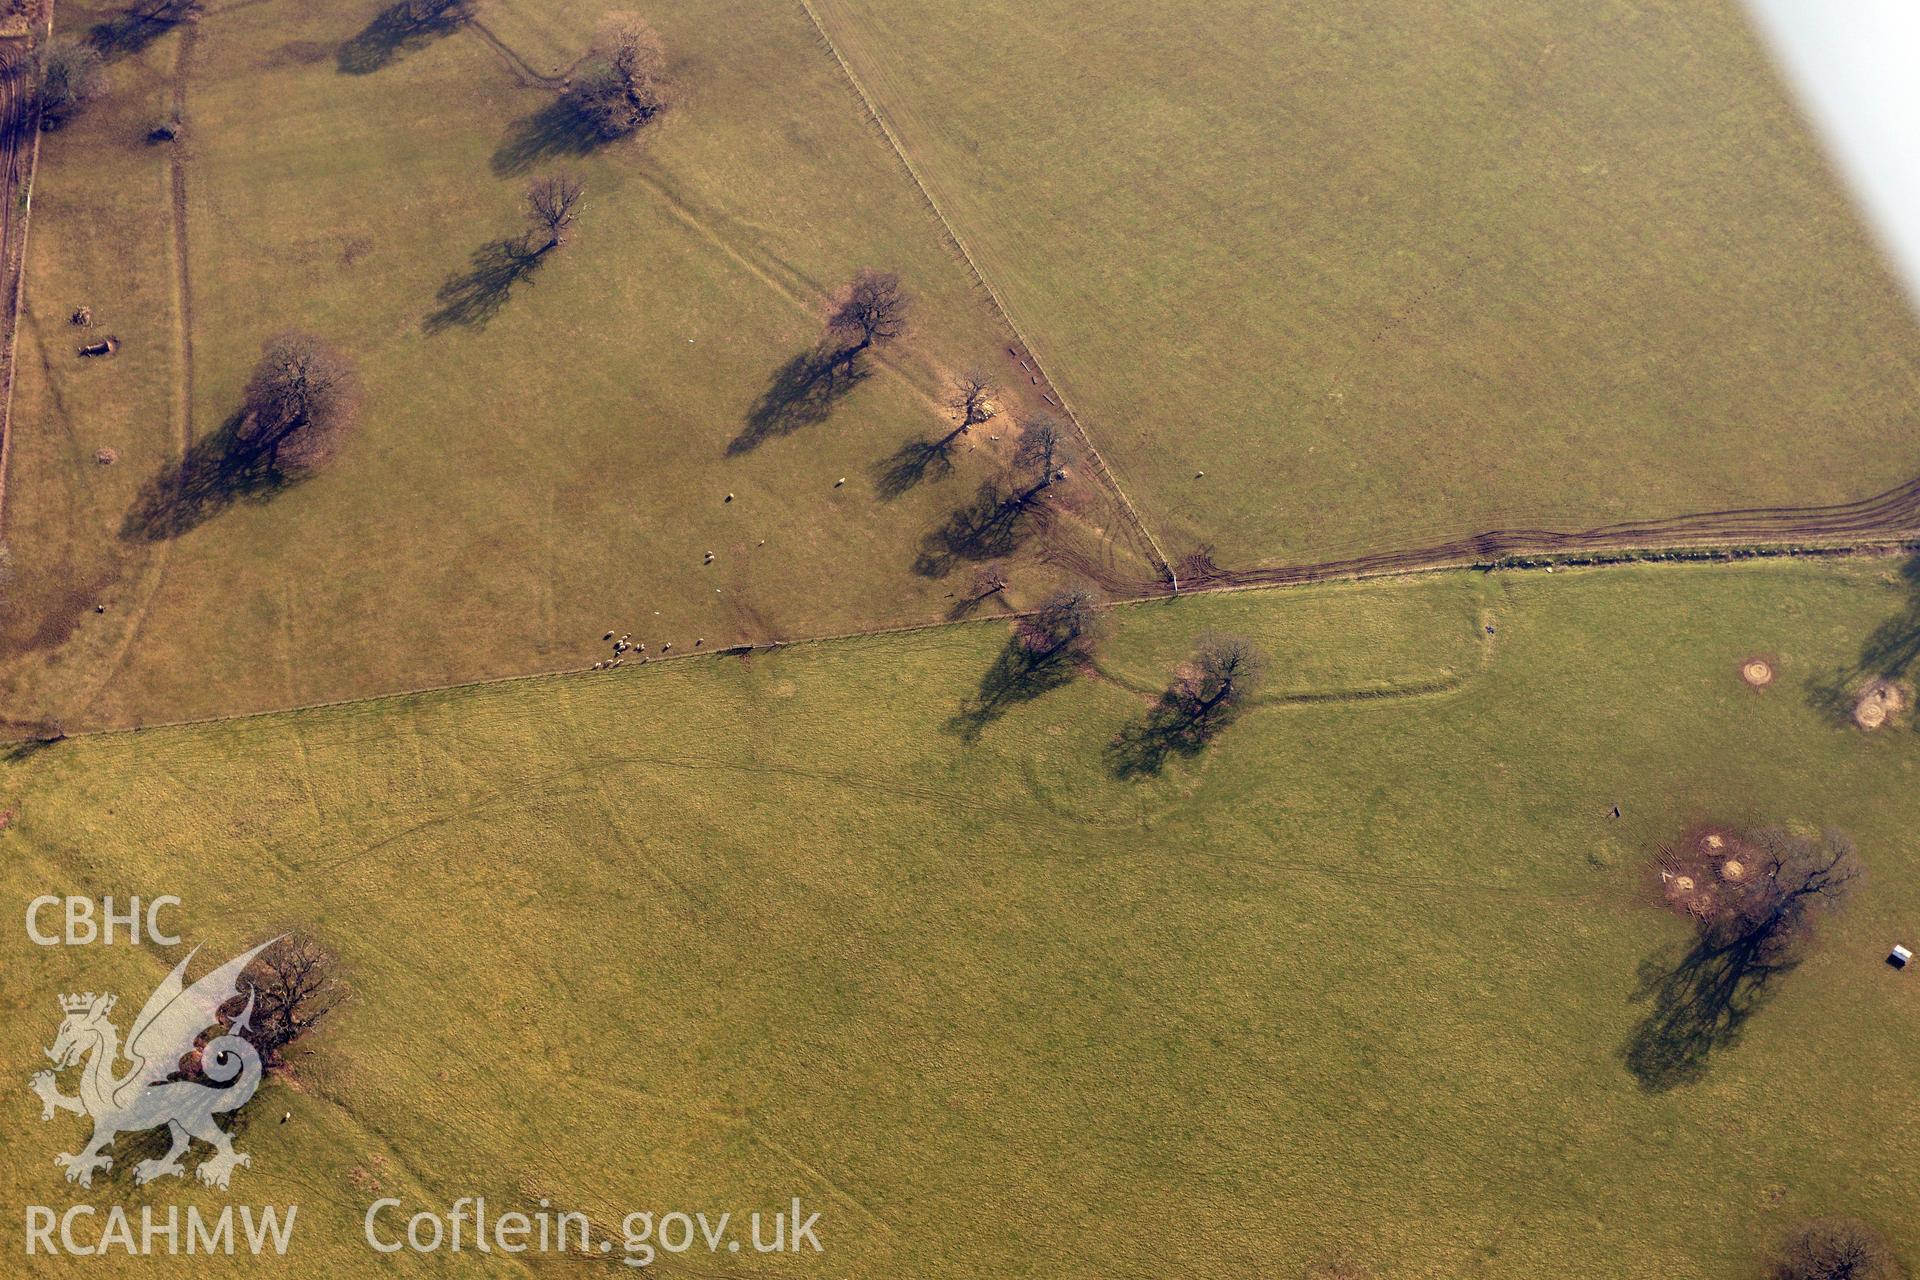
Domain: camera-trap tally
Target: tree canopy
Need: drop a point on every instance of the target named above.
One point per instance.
(67, 75)
(298, 404)
(624, 81)
(872, 312)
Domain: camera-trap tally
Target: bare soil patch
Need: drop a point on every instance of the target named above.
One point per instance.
(1708, 861)
(1879, 703)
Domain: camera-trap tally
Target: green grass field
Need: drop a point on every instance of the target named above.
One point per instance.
(1391, 275)
(1383, 284)
(532, 470)
(1354, 992)
(1355, 983)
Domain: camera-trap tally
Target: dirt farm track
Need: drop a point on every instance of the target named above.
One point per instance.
(18, 147)
(1885, 519)
(1888, 518)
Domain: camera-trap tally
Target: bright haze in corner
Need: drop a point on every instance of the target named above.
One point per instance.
(1852, 63)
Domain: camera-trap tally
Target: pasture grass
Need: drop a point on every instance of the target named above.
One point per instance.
(1391, 276)
(544, 452)
(1354, 983)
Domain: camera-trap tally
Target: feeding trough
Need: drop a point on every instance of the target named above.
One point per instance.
(1899, 957)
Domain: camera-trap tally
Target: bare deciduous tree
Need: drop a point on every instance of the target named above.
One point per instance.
(1836, 1249)
(1754, 903)
(1039, 447)
(67, 75)
(1207, 694)
(625, 81)
(1038, 454)
(1767, 912)
(600, 99)
(1062, 623)
(970, 397)
(296, 983)
(1217, 679)
(299, 402)
(1047, 649)
(873, 312)
(553, 202)
(632, 47)
(987, 581)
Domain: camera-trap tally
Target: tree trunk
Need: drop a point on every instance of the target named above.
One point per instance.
(1208, 704)
(1032, 493)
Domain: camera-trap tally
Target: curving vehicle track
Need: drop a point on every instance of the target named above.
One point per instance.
(1888, 518)
(13, 103)
(1885, 518)
(16, 140)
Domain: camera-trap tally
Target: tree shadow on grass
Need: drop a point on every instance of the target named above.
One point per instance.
(129, 1148)
(993, 524)
(216, 473)
(910, 465)
(1889, 653)
(989, 585)
(554, 132)
(1172, 728)
(1833, 695)
(392, 33)
(131, 32)
(1894, 646)
(1020, 674)
(27, 748)
(471, 299)
(1700, 1006)
(801, 394)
